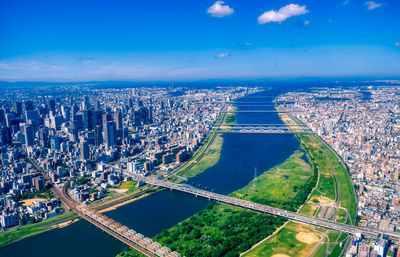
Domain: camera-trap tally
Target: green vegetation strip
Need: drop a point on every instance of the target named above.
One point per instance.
(285, 241)
(209, 159)
(17, 233)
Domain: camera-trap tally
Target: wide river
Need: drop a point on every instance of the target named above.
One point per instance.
(240, 154)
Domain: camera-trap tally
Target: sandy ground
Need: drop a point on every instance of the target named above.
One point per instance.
(308, 238)
(122, 204)
(64, 224)
(119, 191)
(325, 200)
(28, 202)
(280, 255)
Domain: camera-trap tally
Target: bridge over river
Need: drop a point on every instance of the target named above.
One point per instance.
(349, 229)
(128, 236)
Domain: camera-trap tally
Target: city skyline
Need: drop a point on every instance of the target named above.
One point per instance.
(183, 41)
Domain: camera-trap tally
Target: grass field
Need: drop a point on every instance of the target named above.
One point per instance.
(209, 159)
(130, 185)
(224, 230)
(325, 193)
(280, 184)
(21, 232)
(292, 240)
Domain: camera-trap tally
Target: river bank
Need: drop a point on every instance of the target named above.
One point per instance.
(331, 190)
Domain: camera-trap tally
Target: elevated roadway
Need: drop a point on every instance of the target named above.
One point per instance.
(349, 229)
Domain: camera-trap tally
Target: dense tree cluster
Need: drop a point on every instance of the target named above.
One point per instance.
(219, 230)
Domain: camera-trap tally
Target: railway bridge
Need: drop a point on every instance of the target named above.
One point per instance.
(128, 236)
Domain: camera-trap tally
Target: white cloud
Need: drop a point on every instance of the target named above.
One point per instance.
(372, 5)
(397, 44)
(222, 55)
(346, 2)
(282, 14)
(219, 9)
(306, 22)
(28, 65)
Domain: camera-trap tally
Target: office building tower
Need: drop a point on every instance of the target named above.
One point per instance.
(18, 108)
(29, 135)
(109, 134)
(84, 149)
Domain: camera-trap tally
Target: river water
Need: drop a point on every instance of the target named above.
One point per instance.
(240, 154)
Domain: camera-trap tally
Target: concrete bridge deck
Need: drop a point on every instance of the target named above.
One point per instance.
(349, 229)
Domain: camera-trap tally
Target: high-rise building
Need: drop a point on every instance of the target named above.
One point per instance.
(118, 119)
(18, 108)
(39, 183)
(98, 135)
(5, 135)
(2, 116)
(51, 104)
(66, 112)
(29, 135)
(28, 105)
(32, 117)
(44, 137)
(73, 130)
(54, 143)
(109, 134)
(56, 122)
(84, 149)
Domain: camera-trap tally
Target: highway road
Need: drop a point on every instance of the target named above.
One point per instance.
(349, 229)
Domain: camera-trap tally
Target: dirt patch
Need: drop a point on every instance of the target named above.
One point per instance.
(119, 190)
(28, 202)
(115, 206)
(280, 255)
(308, 238)
(64, 224)
(324, 200)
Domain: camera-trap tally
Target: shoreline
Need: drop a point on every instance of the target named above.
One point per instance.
(290, 121)
(116, 206)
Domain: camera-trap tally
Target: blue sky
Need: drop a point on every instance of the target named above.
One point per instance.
(197, 39)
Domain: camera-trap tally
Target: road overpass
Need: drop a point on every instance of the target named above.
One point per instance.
(258, 111)
(260, 125)
(348, 229)
(262, 131)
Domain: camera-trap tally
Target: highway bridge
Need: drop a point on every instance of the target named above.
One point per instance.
(243, 129)
(258, 111)
(128, 236)
(260, 125)
(262, 131)
(349, 229)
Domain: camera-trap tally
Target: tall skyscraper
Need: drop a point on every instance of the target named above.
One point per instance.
(73, 130)
(51, 104)
(28, 106)
(109, 133)
(118, 119)
(84, 149)
(98, 135)
(5, 135)
(29, 135)
(18, 108)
